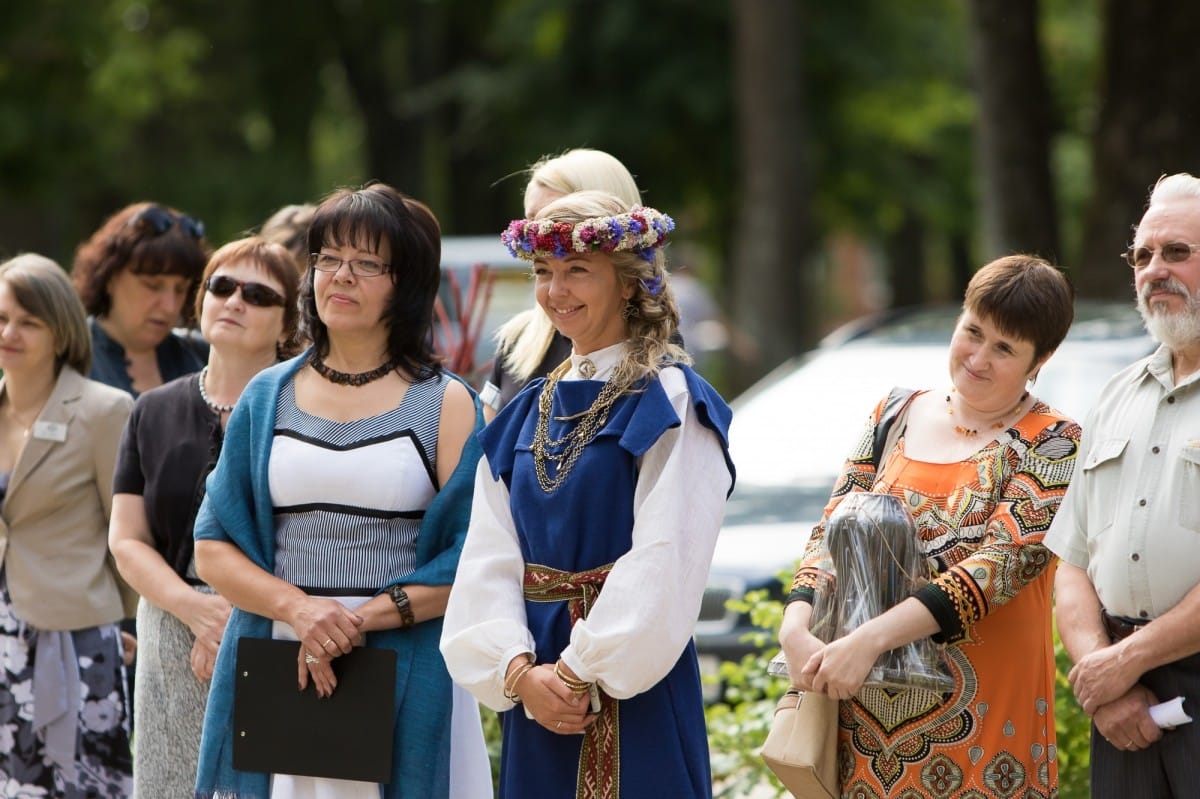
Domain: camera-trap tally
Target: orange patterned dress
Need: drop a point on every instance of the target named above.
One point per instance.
(981, 523)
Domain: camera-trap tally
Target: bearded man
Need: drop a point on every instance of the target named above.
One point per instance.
(1128, 531)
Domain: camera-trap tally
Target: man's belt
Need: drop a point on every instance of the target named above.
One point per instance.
(1120, 627)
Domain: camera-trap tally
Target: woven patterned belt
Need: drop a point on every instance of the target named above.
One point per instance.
(600, 756)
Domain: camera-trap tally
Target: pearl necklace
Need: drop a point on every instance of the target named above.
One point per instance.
(999, 424)
(212, 406)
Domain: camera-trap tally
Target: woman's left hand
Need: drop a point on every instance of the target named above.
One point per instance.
(203, 660)
(839, 669)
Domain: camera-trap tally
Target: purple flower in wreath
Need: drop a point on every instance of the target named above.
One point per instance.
(653, 285)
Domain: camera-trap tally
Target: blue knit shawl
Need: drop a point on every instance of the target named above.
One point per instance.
(237, 509)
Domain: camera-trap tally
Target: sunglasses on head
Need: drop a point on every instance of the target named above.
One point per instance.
(223, 286)
(1173, 252)
(159, 220)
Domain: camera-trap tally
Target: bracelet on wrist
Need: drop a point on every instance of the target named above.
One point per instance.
(514, 677)
(400, 599)
(576, 685)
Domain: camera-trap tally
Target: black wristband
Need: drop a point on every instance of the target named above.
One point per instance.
(400, 597)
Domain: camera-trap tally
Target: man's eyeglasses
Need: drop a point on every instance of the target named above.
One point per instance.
(1173, 252)
(256, 294)
(159, 220)
(359, 267)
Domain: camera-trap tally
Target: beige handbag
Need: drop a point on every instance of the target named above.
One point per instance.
(801, 748)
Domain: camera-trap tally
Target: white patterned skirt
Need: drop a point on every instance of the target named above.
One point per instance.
(101, 764)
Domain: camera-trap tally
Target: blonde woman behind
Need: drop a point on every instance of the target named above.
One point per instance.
(528, 346)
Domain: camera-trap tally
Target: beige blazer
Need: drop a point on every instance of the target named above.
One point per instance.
(54, 519)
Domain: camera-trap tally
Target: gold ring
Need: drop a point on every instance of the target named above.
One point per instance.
(328, 641)
(1130, 744)
(310, 658)
(558, 726)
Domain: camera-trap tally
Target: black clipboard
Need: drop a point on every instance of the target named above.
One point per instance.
(281, 730)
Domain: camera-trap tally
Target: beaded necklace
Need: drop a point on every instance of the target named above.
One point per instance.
(999, 424)
(346, 378)
(569, 447)
(212, 406)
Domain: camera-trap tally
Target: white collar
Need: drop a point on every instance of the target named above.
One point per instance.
(600, 363)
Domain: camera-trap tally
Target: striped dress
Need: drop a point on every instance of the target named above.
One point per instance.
(349, 498)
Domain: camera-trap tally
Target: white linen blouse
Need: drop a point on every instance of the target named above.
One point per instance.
(647, 610)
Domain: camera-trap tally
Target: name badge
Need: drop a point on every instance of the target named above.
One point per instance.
(50, 431)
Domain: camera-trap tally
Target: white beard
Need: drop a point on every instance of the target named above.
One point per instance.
(1179, 329)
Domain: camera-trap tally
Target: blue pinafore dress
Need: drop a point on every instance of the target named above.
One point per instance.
(661, 745)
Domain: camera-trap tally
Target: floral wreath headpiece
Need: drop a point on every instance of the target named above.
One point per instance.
(641, 231)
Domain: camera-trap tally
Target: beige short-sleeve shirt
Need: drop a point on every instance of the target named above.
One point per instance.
(1131, 516)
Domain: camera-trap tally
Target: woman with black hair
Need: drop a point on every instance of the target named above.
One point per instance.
(336, 512)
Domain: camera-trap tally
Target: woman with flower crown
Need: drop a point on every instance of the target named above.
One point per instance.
(597, 507)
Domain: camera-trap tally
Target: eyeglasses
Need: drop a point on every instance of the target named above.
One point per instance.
(159, 220)
(1173, 252)
(359, 267)
(256, 294)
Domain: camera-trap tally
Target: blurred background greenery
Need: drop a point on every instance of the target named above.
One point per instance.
(822, 159)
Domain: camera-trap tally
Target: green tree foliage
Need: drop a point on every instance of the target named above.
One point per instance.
(230, 110)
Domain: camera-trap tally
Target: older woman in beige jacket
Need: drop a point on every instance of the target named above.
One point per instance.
(63, 719)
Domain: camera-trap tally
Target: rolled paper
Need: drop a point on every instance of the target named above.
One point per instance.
(1169, 713)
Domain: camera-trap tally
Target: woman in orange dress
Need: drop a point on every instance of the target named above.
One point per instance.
(982, 465)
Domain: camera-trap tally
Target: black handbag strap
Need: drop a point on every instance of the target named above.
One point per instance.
(894, 411)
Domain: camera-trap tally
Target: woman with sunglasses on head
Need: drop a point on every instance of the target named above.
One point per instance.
(595, 516)
(64, 729)
(248, 312)
(336, 512)
(137, 276)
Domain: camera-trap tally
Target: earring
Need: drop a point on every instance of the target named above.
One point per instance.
(629, 311)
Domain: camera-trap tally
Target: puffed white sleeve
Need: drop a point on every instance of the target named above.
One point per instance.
(484, 627)
(646, 612)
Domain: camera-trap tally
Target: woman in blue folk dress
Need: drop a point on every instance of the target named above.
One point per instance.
(596, 511)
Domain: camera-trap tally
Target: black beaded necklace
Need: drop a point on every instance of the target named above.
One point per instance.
(345, 378)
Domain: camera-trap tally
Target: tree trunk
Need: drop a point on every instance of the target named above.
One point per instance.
(384, 76)
(773, 295)
(1149, 115)
(906, 258)
(1019, 212)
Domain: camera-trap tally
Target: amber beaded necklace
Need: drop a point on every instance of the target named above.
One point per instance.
(999, 424)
